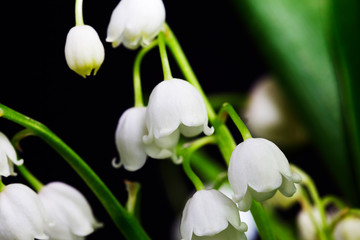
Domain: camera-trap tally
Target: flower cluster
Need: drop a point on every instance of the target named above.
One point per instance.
(257, 167)
(175, 107)
(177, 111)
(57, 211)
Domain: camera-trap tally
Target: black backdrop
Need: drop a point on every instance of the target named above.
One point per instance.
(84, 112)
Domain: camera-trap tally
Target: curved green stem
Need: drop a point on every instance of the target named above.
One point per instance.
(319, 204)
(79, 20)
(227, 108)
(32, 180)
(224, 139)
(139, 102)
(124, 221)
(187, 156)
(164, 58)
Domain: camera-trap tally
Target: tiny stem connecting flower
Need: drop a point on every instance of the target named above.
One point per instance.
(227, 108)
(164, 57)
(2, 185)
(195, 145)
(139, 102)
(79, 20)
(32, 180)
(185, 67)
(309, 183)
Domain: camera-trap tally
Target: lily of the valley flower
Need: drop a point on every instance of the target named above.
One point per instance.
(8, 157)
(128, 137)
(175, 106)
(84, 51)
(209, 214)
(22, 215)
(135, 22)
(257, 169)
(348, 229)
(68, 209)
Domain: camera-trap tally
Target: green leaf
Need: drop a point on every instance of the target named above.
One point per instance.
(346, 54)
(291, 34)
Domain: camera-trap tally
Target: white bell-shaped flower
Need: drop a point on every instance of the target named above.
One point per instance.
(135, 22)
(257, 169)
(175, 106)
(84, 51)
(210, 215)
(22, 214)
(348, 229)
(128, 137)
(68, 209)
(8, 157)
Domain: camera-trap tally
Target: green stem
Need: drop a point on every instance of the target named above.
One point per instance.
(225, 140)
(227, 108)
(262, 221)
(124, 221)
(32, 180)
(2, 186)
(164, 58)
(319, 204)
(139, 102)
(185, 67)
(79, 20)
(195, 145)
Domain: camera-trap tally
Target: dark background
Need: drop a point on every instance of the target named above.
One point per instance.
(84, 112)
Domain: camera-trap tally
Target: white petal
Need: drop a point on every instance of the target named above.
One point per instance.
(176, 103)
(128, 137)
(259, 164)
(8, 157)
(69, 209)
(135, 22)
(207, 213)
(22, 214)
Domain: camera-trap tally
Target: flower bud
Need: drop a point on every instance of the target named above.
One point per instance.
(84, 52)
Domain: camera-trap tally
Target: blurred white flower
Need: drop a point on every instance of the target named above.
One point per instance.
(269, 115)
(84, 51)
(8, 157)
(209, 214)
(175, 106)
(348, 229)
(135, 22)
(128, 137)
(22, 215)
(68, 209)
(257, 169)
(306, 225)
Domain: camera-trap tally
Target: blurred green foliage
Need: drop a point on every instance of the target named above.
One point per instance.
(297, 39)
